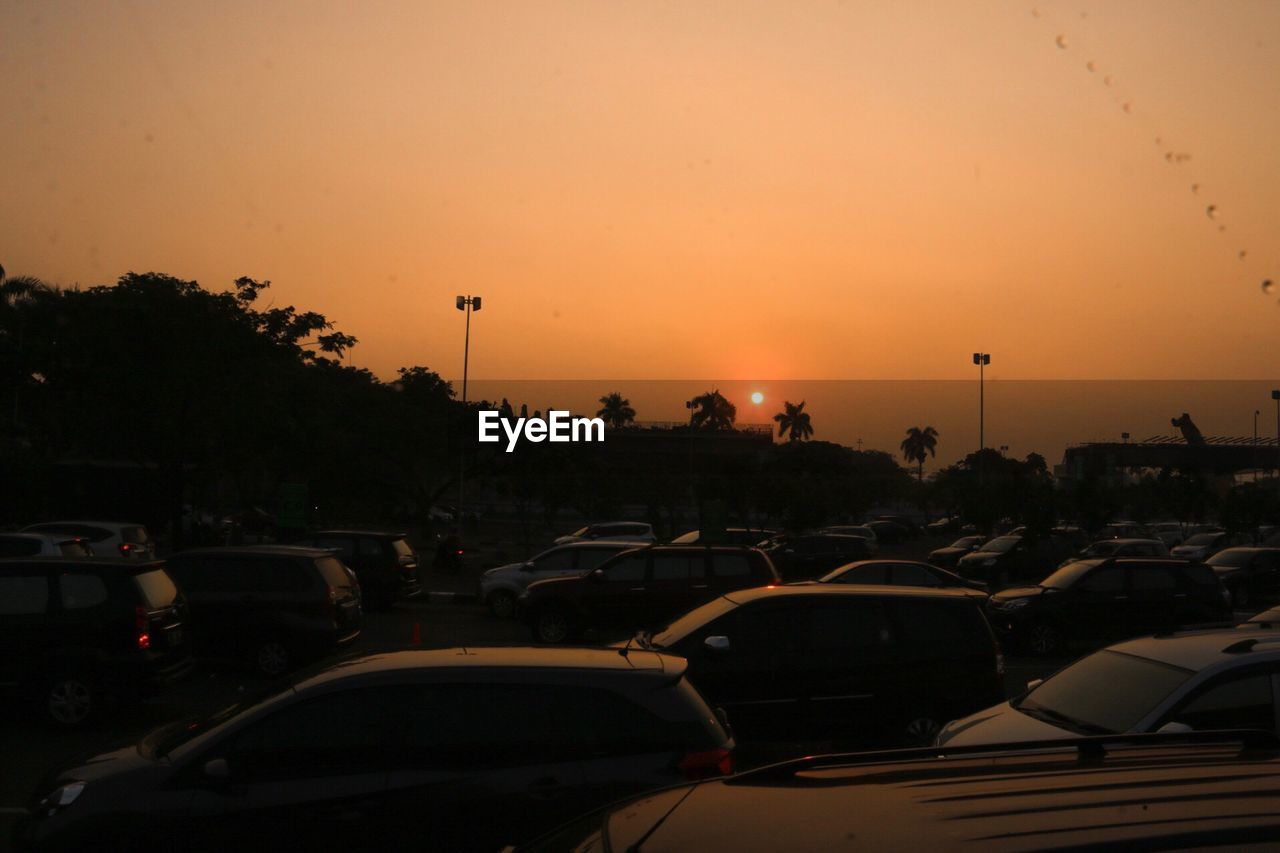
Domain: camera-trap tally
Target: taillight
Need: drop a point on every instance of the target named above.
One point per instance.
(125, 548)
(459, 552)
(711, 762)
(141, 622)
(999, 659)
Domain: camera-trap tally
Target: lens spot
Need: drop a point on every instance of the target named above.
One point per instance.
(1195, 188)
(1211, 211)
(1241, 254)
(1268, 286)
(1061, 41)
(1091, 66)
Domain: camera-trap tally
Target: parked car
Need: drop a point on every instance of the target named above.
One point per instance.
(812, 555)
(452, 749)
(1203, 680)
(949, 557)
(1120, 792)
(860, 530)
(1125, 530)
(614, 531)
(732, 536)
(43, 545)
(1248, 573)
(78, 633)
(1006, 559)
(1121, 548)
(269, 605)
(385, 563)
(1171, 533)
(1104, 600)
(500, 588)
(106, 538)
(889, 532)
(874, 664)
(902, 573)
(640, 588)
(1202, 546)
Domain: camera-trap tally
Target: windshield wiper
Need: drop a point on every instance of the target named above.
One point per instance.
(1049, 715)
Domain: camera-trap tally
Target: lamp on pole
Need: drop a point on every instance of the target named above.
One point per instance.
(982, 359)
(466, 304)
(1255, 444)
(1275, 395)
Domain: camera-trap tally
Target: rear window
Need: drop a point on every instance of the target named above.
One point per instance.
(333, 572)
(134, 535)
(730, 565)
(1200, 575)
(75, 548)
(943, 627)
(157, 588)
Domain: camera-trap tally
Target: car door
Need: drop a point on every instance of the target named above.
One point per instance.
(478, 765)
(310, 775)
(1265, 572)
(845, 668)
(616, 594)
(1156, 601)
(1096, 608)
(1242, 698)
(671, 578)
(26, 631)
(730, 570)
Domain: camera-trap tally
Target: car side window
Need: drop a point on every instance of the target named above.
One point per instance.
(1151, 579)
(338, 734)
(274, 574)
(370, 547)
(18, 546)
(764, 630)
(874, 574)
(730, 565)
(80, 591)
(1103, 581)
(937, 626)
(1240, 702)
(346, 547)
(911, 576)
(627, 569)
(556, 561)
(846, 626)
(24, 594)
(589, 558)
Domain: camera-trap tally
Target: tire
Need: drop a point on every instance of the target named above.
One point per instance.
(552, 626)
(1240, 597)
(502, 604)
(1044, 639)
(272, 658)
(921, 730)
(72, 699)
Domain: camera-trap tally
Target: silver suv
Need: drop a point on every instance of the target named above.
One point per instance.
(106, 538)
(500, 587)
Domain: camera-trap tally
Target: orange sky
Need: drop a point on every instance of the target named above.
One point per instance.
(645, 189)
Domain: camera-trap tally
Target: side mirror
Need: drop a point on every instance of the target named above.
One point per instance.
(1174, 729)
(717, 644)
(217, 769)
(1034, 683)
(596, 574)
(528, 566)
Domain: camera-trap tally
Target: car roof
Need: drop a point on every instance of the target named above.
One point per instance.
(81, 563)
(1130, 541)
(1001, 798)
(386, 534)
(745, 596)
(874, 562)
(1201, 649)
(258, 551)
(522, 658)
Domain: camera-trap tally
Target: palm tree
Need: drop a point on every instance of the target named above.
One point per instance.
(919, 444)
(713, 412)
(616, 410)
(794, 421)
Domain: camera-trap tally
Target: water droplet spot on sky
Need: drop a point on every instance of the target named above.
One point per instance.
(1091, 65)
(1106, 81)
(1211, 211)
(1195, 188)
(1061, 41)
(1241, 254)
(1127, 107)
(1268, 286)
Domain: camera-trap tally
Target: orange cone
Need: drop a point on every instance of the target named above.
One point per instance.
(417, 634)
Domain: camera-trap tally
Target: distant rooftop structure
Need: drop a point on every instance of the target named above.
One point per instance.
(1219, 454)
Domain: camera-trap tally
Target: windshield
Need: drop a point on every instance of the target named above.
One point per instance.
(157, 588)
(1001, 544)
(401, 547)
(581, 531)
(1068, 575)
(690, 622)
(1102, 549)
(164, 740)
(966, 542)
(1230, 559)
(1202, 539)
(1084, 696)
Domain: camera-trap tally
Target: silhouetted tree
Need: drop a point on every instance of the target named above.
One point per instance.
(713, 412)
(793, 421)
(917, 444)
(616, 410)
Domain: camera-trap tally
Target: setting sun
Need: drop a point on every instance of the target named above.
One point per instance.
(757, 397)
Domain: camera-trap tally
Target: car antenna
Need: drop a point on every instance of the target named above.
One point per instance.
(627, 648)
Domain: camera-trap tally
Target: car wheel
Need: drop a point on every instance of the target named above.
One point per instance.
(921, 730)
(1240, 597)
(71, 699)
(272, 658)
(552, 626)
(1044, 639)
(502, 604)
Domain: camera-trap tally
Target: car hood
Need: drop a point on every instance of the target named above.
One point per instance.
(509, 568)
(948, 552)
(105, 767)
(554, 586)
(1001, 723)
(980, 556)
(1018, 592)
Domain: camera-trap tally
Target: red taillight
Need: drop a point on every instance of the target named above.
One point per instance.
(125, 548)
(140, 623)
(459, 552)
(711, 762)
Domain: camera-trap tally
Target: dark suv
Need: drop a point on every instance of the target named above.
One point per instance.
(1101, 601)
(640, 588)
(451, 749)
(1006, 559)
(75, 632)
(385, 563)
(812, 555)
(873, 664)
(272, 605)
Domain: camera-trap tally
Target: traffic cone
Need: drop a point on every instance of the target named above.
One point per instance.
(417, 634)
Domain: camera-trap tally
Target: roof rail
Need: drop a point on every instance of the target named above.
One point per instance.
(1089, 749)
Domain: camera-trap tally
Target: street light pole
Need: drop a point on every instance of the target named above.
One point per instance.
(982, 359)
(1255, 444)
(466, 304)
(1275, 395)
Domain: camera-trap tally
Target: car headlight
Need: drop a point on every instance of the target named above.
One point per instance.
(61, 797)
(990, 561)
(1015, 603)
